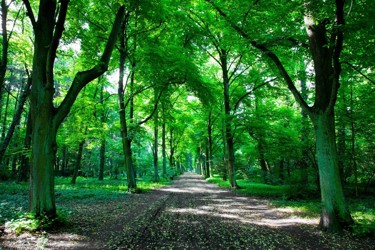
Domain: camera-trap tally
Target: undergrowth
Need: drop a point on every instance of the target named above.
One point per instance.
(14, 199)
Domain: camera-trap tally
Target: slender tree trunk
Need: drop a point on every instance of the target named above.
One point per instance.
(16, 119)
(77, 165)
(209, 145)
(5, 119)
(102, 159)
(171, 149)
(228, 127)
(163, 144)
(64, 160)
(304, 162)
(5, 47)
(156, 146)
(24, 171)
(126, 141)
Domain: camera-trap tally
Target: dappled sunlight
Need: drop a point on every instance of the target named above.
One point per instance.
(48, 241)
(229, 207)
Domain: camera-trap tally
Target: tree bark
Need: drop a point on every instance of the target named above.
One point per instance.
(45, 118)
(335, 214)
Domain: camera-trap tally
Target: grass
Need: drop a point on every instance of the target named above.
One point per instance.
(305, 203)
(14, 196)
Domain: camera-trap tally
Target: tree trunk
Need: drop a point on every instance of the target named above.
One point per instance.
(24, 171)
(45, 118)
(156, 177)
(64, 160)
(16, 119)
(171, 149)
(43, 150)
(304, 161)
(126, 140)
(228, 121)
(163, 145)
(102, 159)
(77, 165)
(335, 214)
(5, 119)
(209, 145)
(5, 47)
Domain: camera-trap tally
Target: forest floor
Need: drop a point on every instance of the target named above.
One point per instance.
(189, 214)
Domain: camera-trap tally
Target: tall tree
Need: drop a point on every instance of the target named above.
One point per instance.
(325, 47)
(48, 28)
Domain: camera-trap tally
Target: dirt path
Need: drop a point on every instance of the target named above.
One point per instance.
(190, 214)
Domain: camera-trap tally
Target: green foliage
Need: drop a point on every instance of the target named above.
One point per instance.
(27, 222)
(363, 213)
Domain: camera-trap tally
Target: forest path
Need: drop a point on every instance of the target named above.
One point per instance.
(189, 214)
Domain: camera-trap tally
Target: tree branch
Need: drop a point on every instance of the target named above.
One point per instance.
(59, 29)
(83, 78)
(251, 91)
(154, 109)
(356, 69)
(338, 33)
(30, 13)
(274, 58)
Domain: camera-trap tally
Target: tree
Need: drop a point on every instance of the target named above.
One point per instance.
(46, 118)
(325, 48)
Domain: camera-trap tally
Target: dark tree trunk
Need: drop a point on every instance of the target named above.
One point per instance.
(126, 139)
(64, 160)
(262, 160)
(103, 119)
(24, 171)
(304, 161)
(5, 47)
(156, 177)
(16, 119)
(209, 145)
(77, 165)
(228, 121)
(5, 119)
(102, 159)
(163, 144)
(45, 118)
(171, 149)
